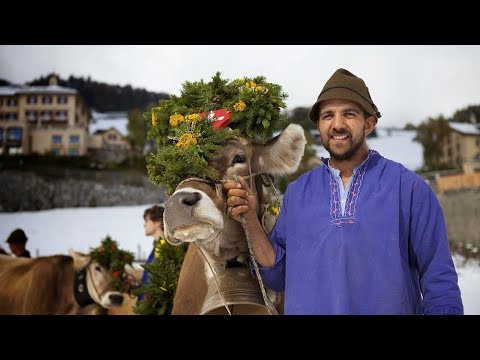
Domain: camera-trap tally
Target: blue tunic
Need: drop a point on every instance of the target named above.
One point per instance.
(382, 256)
(145, 277)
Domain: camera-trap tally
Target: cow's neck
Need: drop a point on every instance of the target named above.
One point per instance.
(230, 242)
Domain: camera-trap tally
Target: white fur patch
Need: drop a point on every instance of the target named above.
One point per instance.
(205, 212)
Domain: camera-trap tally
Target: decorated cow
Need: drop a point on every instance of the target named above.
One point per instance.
(213, 133)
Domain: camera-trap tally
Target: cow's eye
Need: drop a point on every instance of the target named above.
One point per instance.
(240, 158)
(98, 268)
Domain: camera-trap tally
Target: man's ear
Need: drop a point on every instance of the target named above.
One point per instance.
(370, 123)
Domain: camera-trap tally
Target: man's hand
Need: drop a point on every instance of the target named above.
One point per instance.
(241, 200)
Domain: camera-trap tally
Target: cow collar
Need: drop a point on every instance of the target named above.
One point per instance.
(80, 289)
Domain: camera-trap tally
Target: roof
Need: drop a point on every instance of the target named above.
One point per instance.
(103, 131)
(465, 128)
(50, 89)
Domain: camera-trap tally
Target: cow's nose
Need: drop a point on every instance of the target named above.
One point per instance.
(116, 299)
(190, 199)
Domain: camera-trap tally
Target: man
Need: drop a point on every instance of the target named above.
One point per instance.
(17, 242)
(359, 234)
(153, 224)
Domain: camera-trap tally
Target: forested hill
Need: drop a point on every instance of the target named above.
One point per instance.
(105, 97)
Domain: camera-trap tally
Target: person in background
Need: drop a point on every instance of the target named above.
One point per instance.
(153, 224)
(359, 234)
(17, 241)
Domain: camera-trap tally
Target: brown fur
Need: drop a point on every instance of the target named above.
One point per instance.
(42, 286)
(45, 285)
(279, 156)
(192, 284)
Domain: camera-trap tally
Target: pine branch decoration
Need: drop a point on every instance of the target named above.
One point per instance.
(112, 257)
(182, 125)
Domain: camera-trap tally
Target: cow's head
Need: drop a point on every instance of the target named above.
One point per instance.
(98, 280)
(197, 210)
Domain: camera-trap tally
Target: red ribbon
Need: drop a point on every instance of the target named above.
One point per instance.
(222, 117)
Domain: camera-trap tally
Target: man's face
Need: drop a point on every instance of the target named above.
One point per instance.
(343, 128)
(16, 248)
(150, 226)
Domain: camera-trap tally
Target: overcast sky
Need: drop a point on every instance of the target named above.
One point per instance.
(407, 83)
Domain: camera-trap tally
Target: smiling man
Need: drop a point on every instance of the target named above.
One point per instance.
(359, 234)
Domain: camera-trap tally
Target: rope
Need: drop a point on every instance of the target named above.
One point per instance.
(271, 309)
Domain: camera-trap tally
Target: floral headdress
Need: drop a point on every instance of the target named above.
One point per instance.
(190, 128)
(112, 257)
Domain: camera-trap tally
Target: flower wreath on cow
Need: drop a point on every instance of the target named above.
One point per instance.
(212, 133)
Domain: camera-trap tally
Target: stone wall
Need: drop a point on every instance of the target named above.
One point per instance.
(26, 190)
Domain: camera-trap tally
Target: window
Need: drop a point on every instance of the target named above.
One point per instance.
(14, 134)
(1, 135)
(74, 139)
(31, 99)
(11, 102)
(62, 99)
(112, 137)
(56, 152)
(31, 115)
(46, 116)
(56, 139)
(61, 115)
(47, 99)
(73, 152)
(11, 116)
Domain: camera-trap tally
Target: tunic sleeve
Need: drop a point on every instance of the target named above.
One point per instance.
(438, 277)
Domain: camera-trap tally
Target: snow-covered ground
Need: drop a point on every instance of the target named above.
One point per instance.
(55, 231)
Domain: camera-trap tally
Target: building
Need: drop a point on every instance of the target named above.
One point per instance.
(43, 120)
(462, 147)
(108, 145)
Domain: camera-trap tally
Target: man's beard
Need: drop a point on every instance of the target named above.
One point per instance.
(353, 148)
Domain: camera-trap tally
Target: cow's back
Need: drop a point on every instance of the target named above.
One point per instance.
(37, 286)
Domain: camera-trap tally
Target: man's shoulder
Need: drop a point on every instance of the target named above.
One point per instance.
(308, 175)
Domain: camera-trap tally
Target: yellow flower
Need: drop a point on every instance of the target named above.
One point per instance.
(250, 84)
(192, 117)
(157, 252)
(175, 119)
(239, 106)
(259, 88)
(275, 211)
(186, 140)
(154, 119)
(162, 242)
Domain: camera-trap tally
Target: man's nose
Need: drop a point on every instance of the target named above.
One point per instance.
(338, 121)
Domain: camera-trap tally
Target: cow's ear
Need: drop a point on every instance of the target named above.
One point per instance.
(79, 260)
(282, 154)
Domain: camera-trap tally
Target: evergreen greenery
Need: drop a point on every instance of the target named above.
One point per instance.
(112, 257)
(182, 126)
(163, 277)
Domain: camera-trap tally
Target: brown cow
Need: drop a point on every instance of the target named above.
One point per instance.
(57, 284)
(214, 274)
